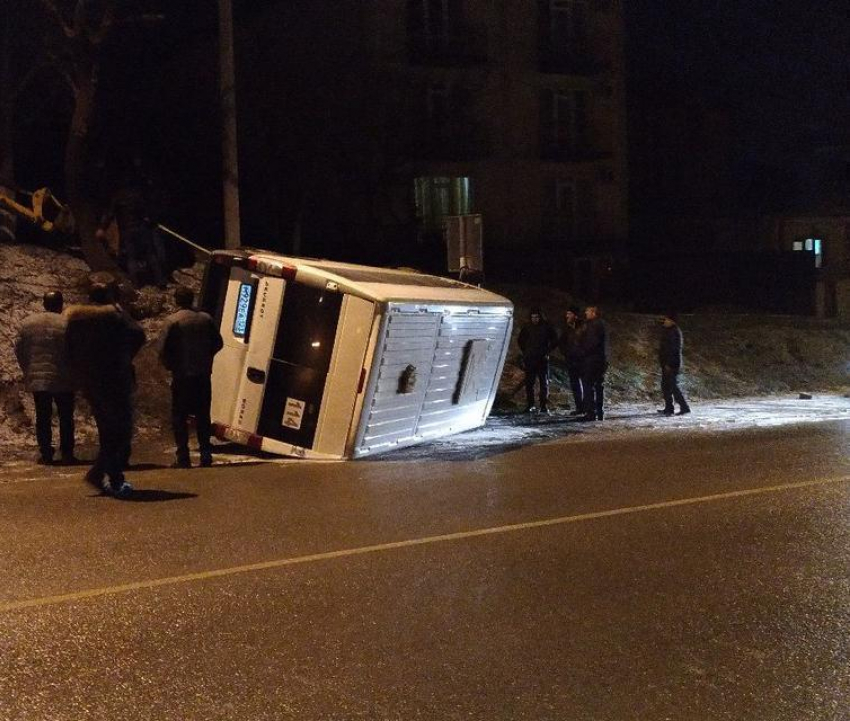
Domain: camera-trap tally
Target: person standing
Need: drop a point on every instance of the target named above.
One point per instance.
(594, 352)
(536, 340)
(41, 353)
(570, 346)
(102, 342)
(187, 345)
(670, 360)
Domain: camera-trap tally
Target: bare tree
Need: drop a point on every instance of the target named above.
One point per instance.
(73, 50)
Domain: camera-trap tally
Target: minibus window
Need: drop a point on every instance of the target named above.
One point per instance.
(214, 290)
(307, 328)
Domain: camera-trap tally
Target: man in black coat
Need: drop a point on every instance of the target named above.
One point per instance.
(594, 348)
(536, 340)
(670, 360)
(187, 345)
(102, 341)
(570, 346)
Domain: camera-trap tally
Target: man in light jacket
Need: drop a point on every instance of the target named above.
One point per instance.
(187, 345)
(41, 352)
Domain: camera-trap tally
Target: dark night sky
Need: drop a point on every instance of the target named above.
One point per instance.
(783, 66)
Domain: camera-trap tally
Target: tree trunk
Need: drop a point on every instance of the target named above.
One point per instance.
(7, 104)
(77, 181)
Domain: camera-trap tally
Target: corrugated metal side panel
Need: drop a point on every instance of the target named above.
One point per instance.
(440, 414)
(434, 342)
(410, 340)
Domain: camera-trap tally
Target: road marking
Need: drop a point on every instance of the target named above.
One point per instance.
(393, 545)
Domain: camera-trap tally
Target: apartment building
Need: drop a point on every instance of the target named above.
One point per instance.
(395, 113)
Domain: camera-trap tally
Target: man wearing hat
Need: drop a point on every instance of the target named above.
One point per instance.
(536, 340)
(670, 359)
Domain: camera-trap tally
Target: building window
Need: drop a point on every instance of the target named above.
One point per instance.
(567, 25)
(439, 33)
(572, 210)
(565, 42)
(565, 127)
(436, 17)
(810, 245)
(431, 21)
(439, 196)
(438, 106)
(566, 201)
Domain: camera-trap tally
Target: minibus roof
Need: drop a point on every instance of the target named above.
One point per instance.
(378, 284)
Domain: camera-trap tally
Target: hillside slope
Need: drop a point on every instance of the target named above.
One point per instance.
(726, 355)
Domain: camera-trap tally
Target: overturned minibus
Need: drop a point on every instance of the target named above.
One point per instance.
(332, 360)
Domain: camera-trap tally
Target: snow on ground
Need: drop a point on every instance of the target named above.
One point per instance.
(761, 361)
(26, 273)
(508, 432)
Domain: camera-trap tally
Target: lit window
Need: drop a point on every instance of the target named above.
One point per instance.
(437, 197)
(810, 245)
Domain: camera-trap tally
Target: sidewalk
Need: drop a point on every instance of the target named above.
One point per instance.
(506, 432)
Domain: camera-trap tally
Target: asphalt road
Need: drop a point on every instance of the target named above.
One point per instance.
(687, 574)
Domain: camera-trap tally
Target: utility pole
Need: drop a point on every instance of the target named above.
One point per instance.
(8, 89)
(230, 169)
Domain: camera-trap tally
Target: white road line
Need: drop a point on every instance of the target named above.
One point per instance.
(427, 540)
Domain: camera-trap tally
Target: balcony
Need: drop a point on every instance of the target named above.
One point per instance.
(579, 152)
(460, 48)
(459, 141)
(571, 61)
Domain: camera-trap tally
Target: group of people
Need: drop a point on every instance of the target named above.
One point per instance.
(583, 342)
(90, 348)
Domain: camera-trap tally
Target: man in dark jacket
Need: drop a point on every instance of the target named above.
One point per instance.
(40, 349)
(187, 344)
(570, 345)
(670, 360)
(536, 340)
(102, 342)
(594, 347)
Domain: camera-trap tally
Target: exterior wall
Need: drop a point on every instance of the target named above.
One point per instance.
(514, 182)
(357, 96)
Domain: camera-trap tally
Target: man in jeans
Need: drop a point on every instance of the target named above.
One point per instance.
(187, 345)
(40, 349)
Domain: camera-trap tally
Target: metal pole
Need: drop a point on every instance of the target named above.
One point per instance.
(183, 239)
(232, 238)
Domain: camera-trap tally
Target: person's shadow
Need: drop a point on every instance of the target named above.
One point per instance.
(152, 495)
(149, 495)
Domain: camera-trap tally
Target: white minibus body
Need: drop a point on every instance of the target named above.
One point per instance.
(334, 360)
